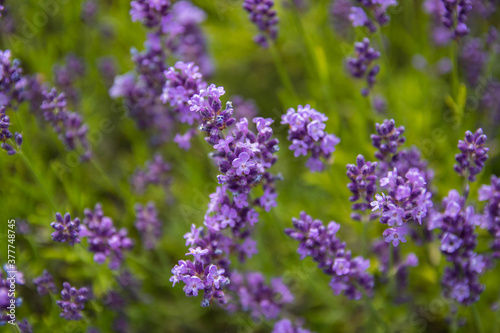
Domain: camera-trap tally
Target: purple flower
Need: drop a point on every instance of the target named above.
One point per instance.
(395, 235)
(358, 17)
(148, 225)
(491, 215)
(262, 14)
(243, 164)
(286, 326)
(359, 66)
(228, 217)
(268, 199)
(45, 284)
(155, 172)
(473, 154)
(72, 302)
(193, 283)
(67, 230)
(363, 184)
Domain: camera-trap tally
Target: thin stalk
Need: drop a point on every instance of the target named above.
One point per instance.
(477, 319)
(454, 322)
(375, 314)
(285, 78)
(16, 328)
(454, 58)
(30, 167)
(496, 325)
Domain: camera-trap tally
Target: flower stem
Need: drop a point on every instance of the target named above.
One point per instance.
(454, 58)
(30, 167)
(285, 79)
(477, 319)
(375, 314)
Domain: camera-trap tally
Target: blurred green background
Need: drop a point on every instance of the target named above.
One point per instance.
(434, 108)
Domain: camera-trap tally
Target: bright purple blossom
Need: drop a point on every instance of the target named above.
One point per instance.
(66, 230)
(360, 65)
(72, 302)
(363, 185)
(262, 14)
(473, 154)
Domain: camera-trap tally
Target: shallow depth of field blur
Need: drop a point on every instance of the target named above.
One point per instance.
(422, 93)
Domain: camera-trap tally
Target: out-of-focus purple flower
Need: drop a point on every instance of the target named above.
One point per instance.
(473, 58)
(155, 172)
(103, 238)
(262, 14)
(149, 12)
(349, 274)
(491, 215)
(307, 135)
(66, 75)
(376, 8)
(473, 154)
(454, 16)
(89, 11)
(72, 302)
(45, 284)
(24, 326)
(286, 326)
(148, 224)
(67, 230)
(360, 65)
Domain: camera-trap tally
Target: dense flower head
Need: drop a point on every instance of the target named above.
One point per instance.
(66, 75)
(407, 199)
(363, 184)
(360, 66)
(377, 10)
(388, 139)
(148, 224)
(473, 154)
(286, 326)
(66, 230)
(6, 134)
(307, 135)
(491, 215)
(454, 16)
(321, 243)
(12, 81)
(458, 243)
(9, 276)
(155, 172)
(259, 298)
(72, 302)
(196, 276)
(149, 12)
(103, 238)
(69, 125)
(45, 284)
(262, 14)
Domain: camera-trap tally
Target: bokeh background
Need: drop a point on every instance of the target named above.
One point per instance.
(421, 94)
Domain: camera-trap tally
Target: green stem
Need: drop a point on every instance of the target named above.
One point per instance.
(390, 276)
(477, 319)
(285, 79)
(454, 58)
(16, 328)
(30, 167)
(375, 314)
(454, 322)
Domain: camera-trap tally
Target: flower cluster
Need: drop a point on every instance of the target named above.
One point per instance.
(258, 298)
(149, 12)
(155, 172)
(491, 215)
(66, 230)
(349, 274)
(363, 185)
(473, 154)
(387, 141)
(262, 14)
(148, 224)
(377, 9)
(307, 135)
(407, 199)
(45, 284)
(103, 238)
(360, 65)
(69, 125)
(458, 242)
(454, 16)
(200, 275)
(72, 302)
(5, 133)
(286, 326)
(12, 81)
(9, 277)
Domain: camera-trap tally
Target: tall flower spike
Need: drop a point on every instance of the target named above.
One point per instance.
(72, 302)
(307, 135)
(45, 284)
(348, 274)
(363, 185)
(148, 225)
(360, 65)
(387, 140)
(67, 230)
(262, 14)
(454, 16)
(473, 154)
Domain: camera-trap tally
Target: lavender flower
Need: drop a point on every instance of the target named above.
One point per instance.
(262, 14)
(306, 132)
(387, 140)
(155, 172)
(24, 326)
(148, 225)
(349, 274)
(454, 16)
(103, 238)
(149, 12)
(8, 276)
(5, 134)
(12, 81)
(473, 154)
(491, 215)
(72, 302)
(359, 66)
(196, 275)
(258, 298)
(67, 230)
(473, 58)
(458, 242)
(286, 326)
(66, 75)
(363, 185)
(45, 284)
(89, 11)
